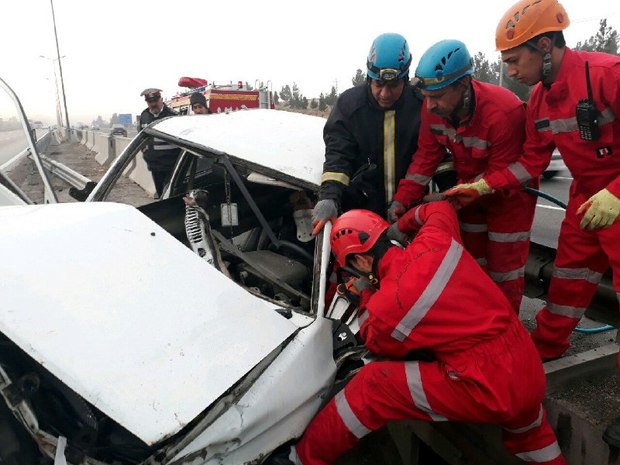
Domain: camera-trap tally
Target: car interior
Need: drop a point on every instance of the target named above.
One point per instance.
(250, 220)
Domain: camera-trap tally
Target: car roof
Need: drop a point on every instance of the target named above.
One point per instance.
(280, 141)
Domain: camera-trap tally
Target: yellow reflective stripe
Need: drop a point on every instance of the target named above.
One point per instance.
(389, 153)
(333, 176)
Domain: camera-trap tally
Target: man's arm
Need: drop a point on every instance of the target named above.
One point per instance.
(438, 215)
(506, 138)
(424, 162)
(611, 95)
(341, 150)
(535, 158)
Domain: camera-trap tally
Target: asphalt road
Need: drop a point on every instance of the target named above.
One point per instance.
(11, 143)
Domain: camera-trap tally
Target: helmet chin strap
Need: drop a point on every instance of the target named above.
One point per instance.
(546, 68)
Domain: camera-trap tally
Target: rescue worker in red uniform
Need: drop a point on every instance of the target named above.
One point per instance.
(587, 134)
(483, 127)
(434, 296)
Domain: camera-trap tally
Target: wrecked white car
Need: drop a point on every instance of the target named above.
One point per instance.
(190, 330)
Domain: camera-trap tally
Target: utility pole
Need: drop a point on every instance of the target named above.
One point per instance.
(62, 82)
(58, 108)
(501, 73)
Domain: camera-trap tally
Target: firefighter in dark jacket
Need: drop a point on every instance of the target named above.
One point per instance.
(160, 157)
(370, 135)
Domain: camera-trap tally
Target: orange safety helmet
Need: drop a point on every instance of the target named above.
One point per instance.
(527, 19)
(355, 231)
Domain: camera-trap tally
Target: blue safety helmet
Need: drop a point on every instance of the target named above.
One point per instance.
(442, 64)
(389, 58)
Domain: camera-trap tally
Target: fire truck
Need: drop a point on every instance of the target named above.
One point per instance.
(222, 98)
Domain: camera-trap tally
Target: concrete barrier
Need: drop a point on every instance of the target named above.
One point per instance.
(109, 147)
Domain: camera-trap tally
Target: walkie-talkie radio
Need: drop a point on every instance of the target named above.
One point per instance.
(587, 114)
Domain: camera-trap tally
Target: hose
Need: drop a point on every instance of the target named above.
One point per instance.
(544, 195)
(550, 198)
(600, 329)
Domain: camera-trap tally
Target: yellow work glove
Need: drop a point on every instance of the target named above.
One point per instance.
(462, 195)
(599, 211)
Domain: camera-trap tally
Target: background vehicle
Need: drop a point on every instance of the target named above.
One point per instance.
(555, 165)
(118, 130)
(222, 98)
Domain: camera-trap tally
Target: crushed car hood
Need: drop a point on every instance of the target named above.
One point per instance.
(127, 316)
(281, 141)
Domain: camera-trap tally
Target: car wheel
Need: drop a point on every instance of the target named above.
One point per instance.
(549, 174)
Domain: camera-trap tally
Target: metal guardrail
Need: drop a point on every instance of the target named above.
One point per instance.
(64, 172)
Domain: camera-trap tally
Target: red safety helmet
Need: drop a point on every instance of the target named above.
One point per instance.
(355, 231)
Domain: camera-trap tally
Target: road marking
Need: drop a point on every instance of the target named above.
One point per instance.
(549, 207)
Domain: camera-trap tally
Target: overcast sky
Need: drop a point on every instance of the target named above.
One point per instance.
(115, 49)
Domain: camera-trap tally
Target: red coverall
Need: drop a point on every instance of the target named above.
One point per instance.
(582, 256)
(496, 229)
(434, 295)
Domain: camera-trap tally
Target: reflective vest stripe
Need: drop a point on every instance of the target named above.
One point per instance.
(481, 261)
(417, 218)
(546, 454)
(476, 142)
(443, 130)
(362, 317)
(542, 125)
(432, 292)
(566, 310)
(416, 389)
(562, 125)
(509, 237)
(519, 172)
(586, 274)
(389, 153)
(500, 277)
(467, 141)
(473, 227)
(418, 178)
(333, 176)
(348, 417)
(535, 424)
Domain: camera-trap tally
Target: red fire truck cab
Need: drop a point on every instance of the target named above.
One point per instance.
(222, 98)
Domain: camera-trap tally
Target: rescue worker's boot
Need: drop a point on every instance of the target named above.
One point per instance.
(611, 435)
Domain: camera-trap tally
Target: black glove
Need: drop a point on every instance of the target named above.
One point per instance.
(353, 288)
(397, 235)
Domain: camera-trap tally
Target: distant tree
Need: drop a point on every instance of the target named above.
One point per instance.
(304, 103)
(331, 98)
(276, 98)
(359, 78)
(296, 98)
(485, 71)
(322, 104)
(521, 90)
(285, 93)
(314, 104)
(605, 40)
(488, 71)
